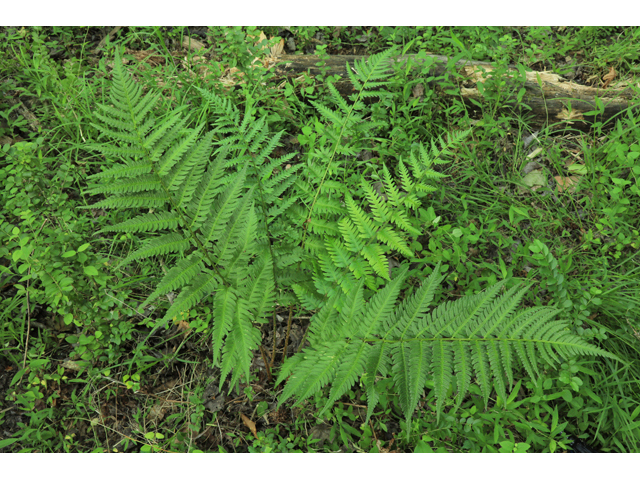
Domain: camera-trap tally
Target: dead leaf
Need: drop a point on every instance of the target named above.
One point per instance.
(322, 433)
(530, 167)
(567, 184)
(534, 136)
(261, 38)
(608, 78)
(278, 48)
(535, 153)
(156, 413)
(71, 365)
(381, 449)
(192, 43)
(417, 91)
(572, 115)
(249, 424)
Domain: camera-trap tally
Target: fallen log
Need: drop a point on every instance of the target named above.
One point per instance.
(548, 98)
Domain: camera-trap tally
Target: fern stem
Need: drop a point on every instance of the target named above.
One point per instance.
(275, 330)
(266, 364)
(286, 339)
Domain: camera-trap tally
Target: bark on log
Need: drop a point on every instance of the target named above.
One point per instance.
(548, 101)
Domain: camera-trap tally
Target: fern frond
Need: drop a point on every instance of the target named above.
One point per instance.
(463, 368)
(215, 218)
(197, 155)
(380, 307)
(149, 222)
(351, 237)
(174, 122)
(378, 361)
(475, 336)
(178, 276)
(209, 200)
(143, 200)
(238, 265)
(324, 321)
(349, 370)
(359, 218)
(168, 243)
(123, 136)
(316, 370)
(233, 232)
(124, 152)
(127, 170)
(142, 183)
(376, 258)
(176, 152)
(223, 311)
(369, 73)
(392, 239)
(260, 292)
(203, 284)
(241, 341)
(329, 115)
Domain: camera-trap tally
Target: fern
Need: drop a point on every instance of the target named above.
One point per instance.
(350, 233)
(483, 336)
(201, 209)
(247, 232)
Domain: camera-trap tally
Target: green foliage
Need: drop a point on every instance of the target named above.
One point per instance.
(390, 177)
(45, 251)
(167, 168)
(483, 336)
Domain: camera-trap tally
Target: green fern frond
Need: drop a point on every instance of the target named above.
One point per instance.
(150, 222)
(349, 370)
(369, 73)
(308, 298)
(260, 292)
(168, 243)
(235, 231)
(178, 276)
(316, 370)
(449, 346)
(176, 153)
(376, 258)
(196, 156)
(203, 284)
(214, 219)
(123, 136)
(359, 218)
(237, 266)
(143, 183)
(128, 170)
(123, 152)
(340, 257)
(329, 115)
(378, 208)
(150, 201)
(393, 240)
(238, 349)
(206, 208)
(267, 169)
(351, 237)
(223, 311)
(175, 122)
